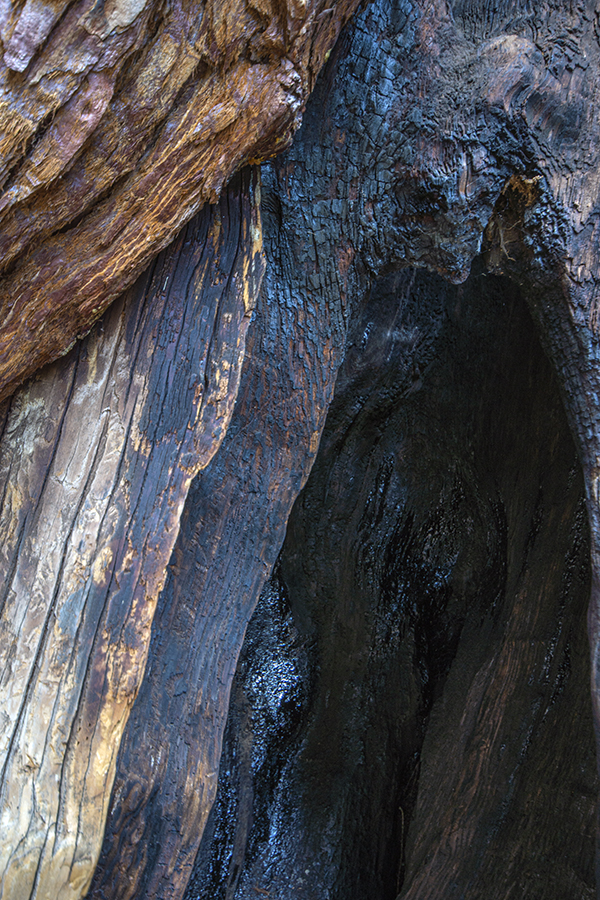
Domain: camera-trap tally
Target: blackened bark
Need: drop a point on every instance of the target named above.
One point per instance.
(366, 187)
(405, 712)
(441, 604)
(380, 178)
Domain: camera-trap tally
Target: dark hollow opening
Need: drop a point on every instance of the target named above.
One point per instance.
(410, 714)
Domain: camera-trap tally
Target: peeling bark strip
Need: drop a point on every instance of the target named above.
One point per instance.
(231, 532)
(96, 459)
(129, 116)
(402, 160)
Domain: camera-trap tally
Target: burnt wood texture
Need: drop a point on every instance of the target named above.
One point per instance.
(232, 529)
(372, 182)
(411, 714)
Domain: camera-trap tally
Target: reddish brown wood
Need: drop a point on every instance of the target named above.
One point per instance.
(124, 122)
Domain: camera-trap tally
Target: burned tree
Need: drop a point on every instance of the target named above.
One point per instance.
(400, 308)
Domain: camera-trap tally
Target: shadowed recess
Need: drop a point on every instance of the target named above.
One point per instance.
(410, 715)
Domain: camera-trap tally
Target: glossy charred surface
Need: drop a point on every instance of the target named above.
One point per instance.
(410, 713)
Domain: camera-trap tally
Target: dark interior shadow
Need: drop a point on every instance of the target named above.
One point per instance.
(411, 710)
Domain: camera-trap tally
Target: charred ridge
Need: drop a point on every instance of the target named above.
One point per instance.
(425, 623)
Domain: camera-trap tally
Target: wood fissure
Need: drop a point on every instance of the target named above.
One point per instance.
(403, 713)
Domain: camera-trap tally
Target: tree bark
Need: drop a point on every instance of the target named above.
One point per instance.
(99, 454)
(436, 567)
(118, 125)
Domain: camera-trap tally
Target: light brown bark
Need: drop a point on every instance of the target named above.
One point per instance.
(98, 454)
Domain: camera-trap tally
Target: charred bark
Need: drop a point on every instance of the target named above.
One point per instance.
(404, 711)
(431, 229)
(363, 190)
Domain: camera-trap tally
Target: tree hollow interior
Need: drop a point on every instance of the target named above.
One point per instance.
(404, 712)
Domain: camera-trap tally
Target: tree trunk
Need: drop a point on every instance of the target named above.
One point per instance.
(365, 670)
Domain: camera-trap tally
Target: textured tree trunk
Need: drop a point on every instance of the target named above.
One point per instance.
(99, 454)
(119, 122)
(298, 542)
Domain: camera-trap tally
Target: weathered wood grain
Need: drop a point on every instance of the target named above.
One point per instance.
(96, 456)
(120, 122)
(410, 154)
(233, 527)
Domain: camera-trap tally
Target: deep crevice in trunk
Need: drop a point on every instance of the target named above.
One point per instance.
(403, 710)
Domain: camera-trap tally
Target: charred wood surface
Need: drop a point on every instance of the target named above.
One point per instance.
(401, 160)
(232, 530)
(415, 681)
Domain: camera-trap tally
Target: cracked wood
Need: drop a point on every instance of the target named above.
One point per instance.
(96, 459)
(118, 122)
